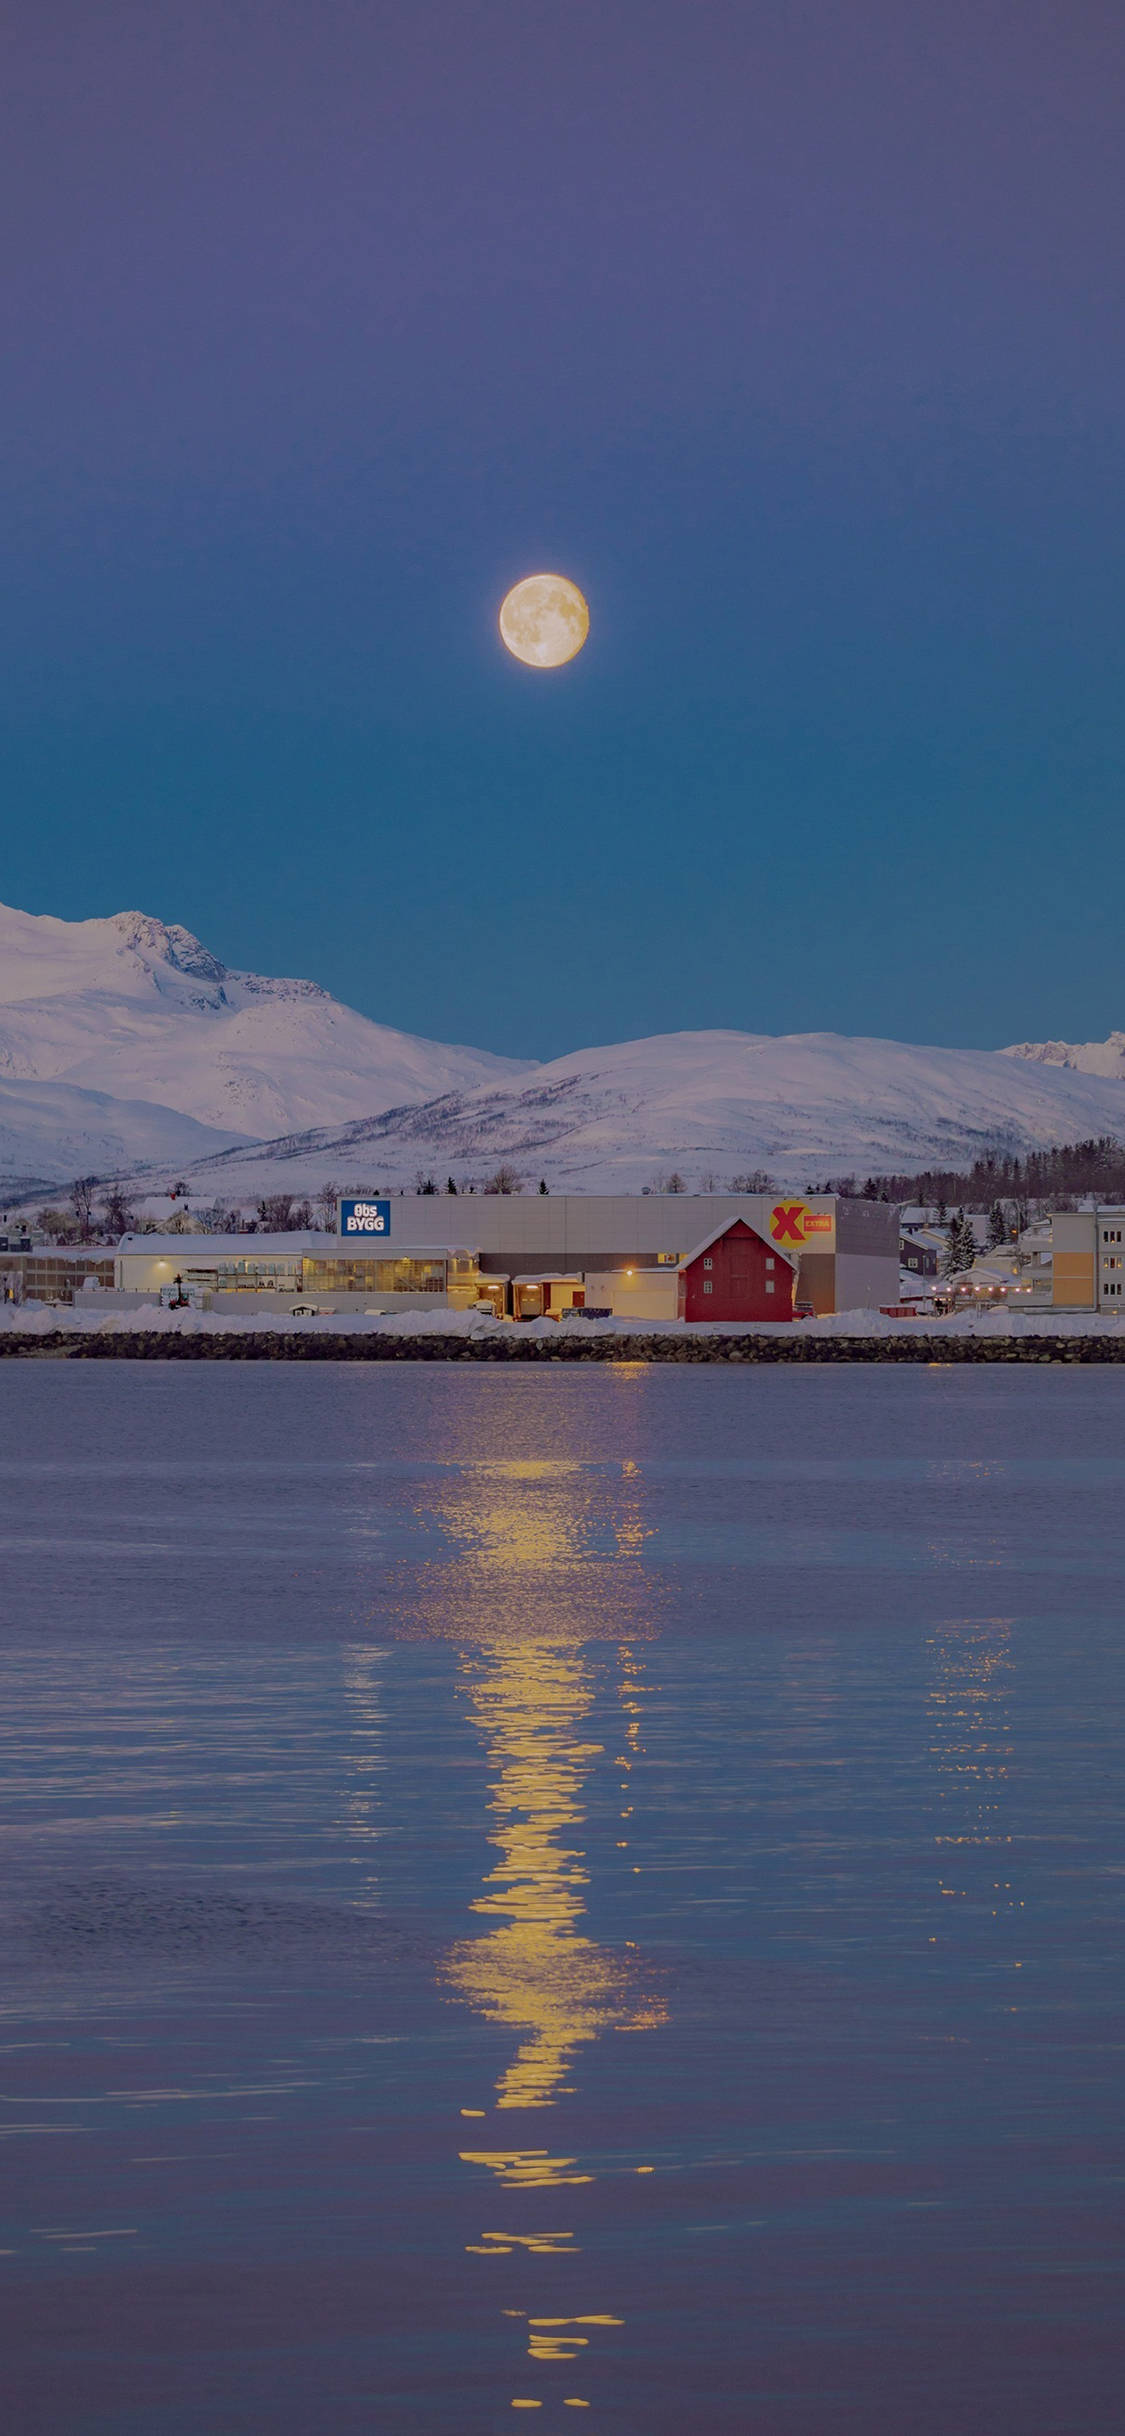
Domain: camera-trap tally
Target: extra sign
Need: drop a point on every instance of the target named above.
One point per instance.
(365, 1217)
(793, 1222)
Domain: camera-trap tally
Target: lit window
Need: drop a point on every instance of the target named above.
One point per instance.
(706, 1285)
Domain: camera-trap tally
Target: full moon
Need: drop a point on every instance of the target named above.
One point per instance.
(544, 620)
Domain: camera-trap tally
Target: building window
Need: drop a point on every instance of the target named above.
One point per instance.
(771, 1262)
(706, 1285)
(708, 1263)
(769, 1285)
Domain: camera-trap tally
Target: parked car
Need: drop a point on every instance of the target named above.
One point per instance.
(312, 1310)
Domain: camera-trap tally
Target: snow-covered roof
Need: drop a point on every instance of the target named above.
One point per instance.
(716, 1236)
(200, 1248)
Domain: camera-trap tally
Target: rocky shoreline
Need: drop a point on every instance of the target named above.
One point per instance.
(513, 1346)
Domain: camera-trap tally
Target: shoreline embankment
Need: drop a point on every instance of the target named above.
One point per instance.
(504, 1348)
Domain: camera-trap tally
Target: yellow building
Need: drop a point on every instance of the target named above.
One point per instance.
(1088, 1260)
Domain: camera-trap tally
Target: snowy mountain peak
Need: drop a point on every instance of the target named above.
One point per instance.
(1104, 1057)
(135, 1009)
(168, 943)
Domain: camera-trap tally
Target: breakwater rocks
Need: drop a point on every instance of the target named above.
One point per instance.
(514, 1346)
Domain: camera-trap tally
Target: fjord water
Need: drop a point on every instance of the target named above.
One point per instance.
(566, 1892)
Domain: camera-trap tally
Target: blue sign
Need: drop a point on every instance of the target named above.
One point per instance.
(365, 1218)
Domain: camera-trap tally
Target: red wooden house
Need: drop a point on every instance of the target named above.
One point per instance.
(736, 1275)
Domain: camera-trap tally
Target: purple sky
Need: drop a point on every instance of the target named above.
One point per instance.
(794, 333)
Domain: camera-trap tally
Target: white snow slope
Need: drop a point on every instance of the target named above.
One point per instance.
(1105, 1057)
(122, 1038)
(138, 1009)
(51, 1132)
(706, 1103)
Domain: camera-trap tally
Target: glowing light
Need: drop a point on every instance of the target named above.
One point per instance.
(544, 621)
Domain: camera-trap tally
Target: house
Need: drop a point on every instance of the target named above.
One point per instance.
(922, 1250)
(736, 1274)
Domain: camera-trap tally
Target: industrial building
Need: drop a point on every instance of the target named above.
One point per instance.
(846, 1250)
(226, 1271)
(55, 1273)
(531, 1255)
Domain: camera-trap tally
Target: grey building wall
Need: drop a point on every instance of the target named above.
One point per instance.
(870, 1227)
(580, 1230)
(866, 1281)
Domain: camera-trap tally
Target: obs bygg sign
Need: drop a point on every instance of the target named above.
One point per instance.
(365, 1218)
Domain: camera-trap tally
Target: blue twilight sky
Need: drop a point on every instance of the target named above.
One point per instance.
(794, 330)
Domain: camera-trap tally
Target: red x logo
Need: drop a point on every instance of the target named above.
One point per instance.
(787, 1223)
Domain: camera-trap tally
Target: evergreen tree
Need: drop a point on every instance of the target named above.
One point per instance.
(954, 1258)
(997, 1227)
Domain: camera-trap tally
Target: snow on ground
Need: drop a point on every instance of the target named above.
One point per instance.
(38, 1319)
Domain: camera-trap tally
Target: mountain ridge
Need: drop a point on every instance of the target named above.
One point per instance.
(135, 1009)
(250, 1080)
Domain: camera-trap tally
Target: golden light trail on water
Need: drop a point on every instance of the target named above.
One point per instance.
(545, 1559)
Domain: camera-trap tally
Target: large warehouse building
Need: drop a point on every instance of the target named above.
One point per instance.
(526, 1254)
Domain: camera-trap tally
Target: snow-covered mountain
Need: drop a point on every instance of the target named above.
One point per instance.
(1104, 1057)
(140, 1010)
(710, 1104)
(52, 1132)
(125, 1044)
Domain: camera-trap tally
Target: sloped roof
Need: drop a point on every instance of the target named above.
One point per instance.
(716, 1236)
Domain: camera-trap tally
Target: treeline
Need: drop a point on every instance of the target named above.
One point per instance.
(1051, 1178)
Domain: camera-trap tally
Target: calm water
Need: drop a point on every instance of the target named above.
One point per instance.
(593, 1892)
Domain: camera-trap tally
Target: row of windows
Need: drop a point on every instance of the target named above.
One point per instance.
(708, 1263)
(376, 1276)
(1111, 1289)
(707, 1285)
(1111, 1234)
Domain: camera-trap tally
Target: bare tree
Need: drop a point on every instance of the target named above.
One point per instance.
(117, 1217)
(326, 1200)
(82, 1202)
(505, 1180)
(219, 1220)
(60, 1226)
(275, 1214)
(754, 1181)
